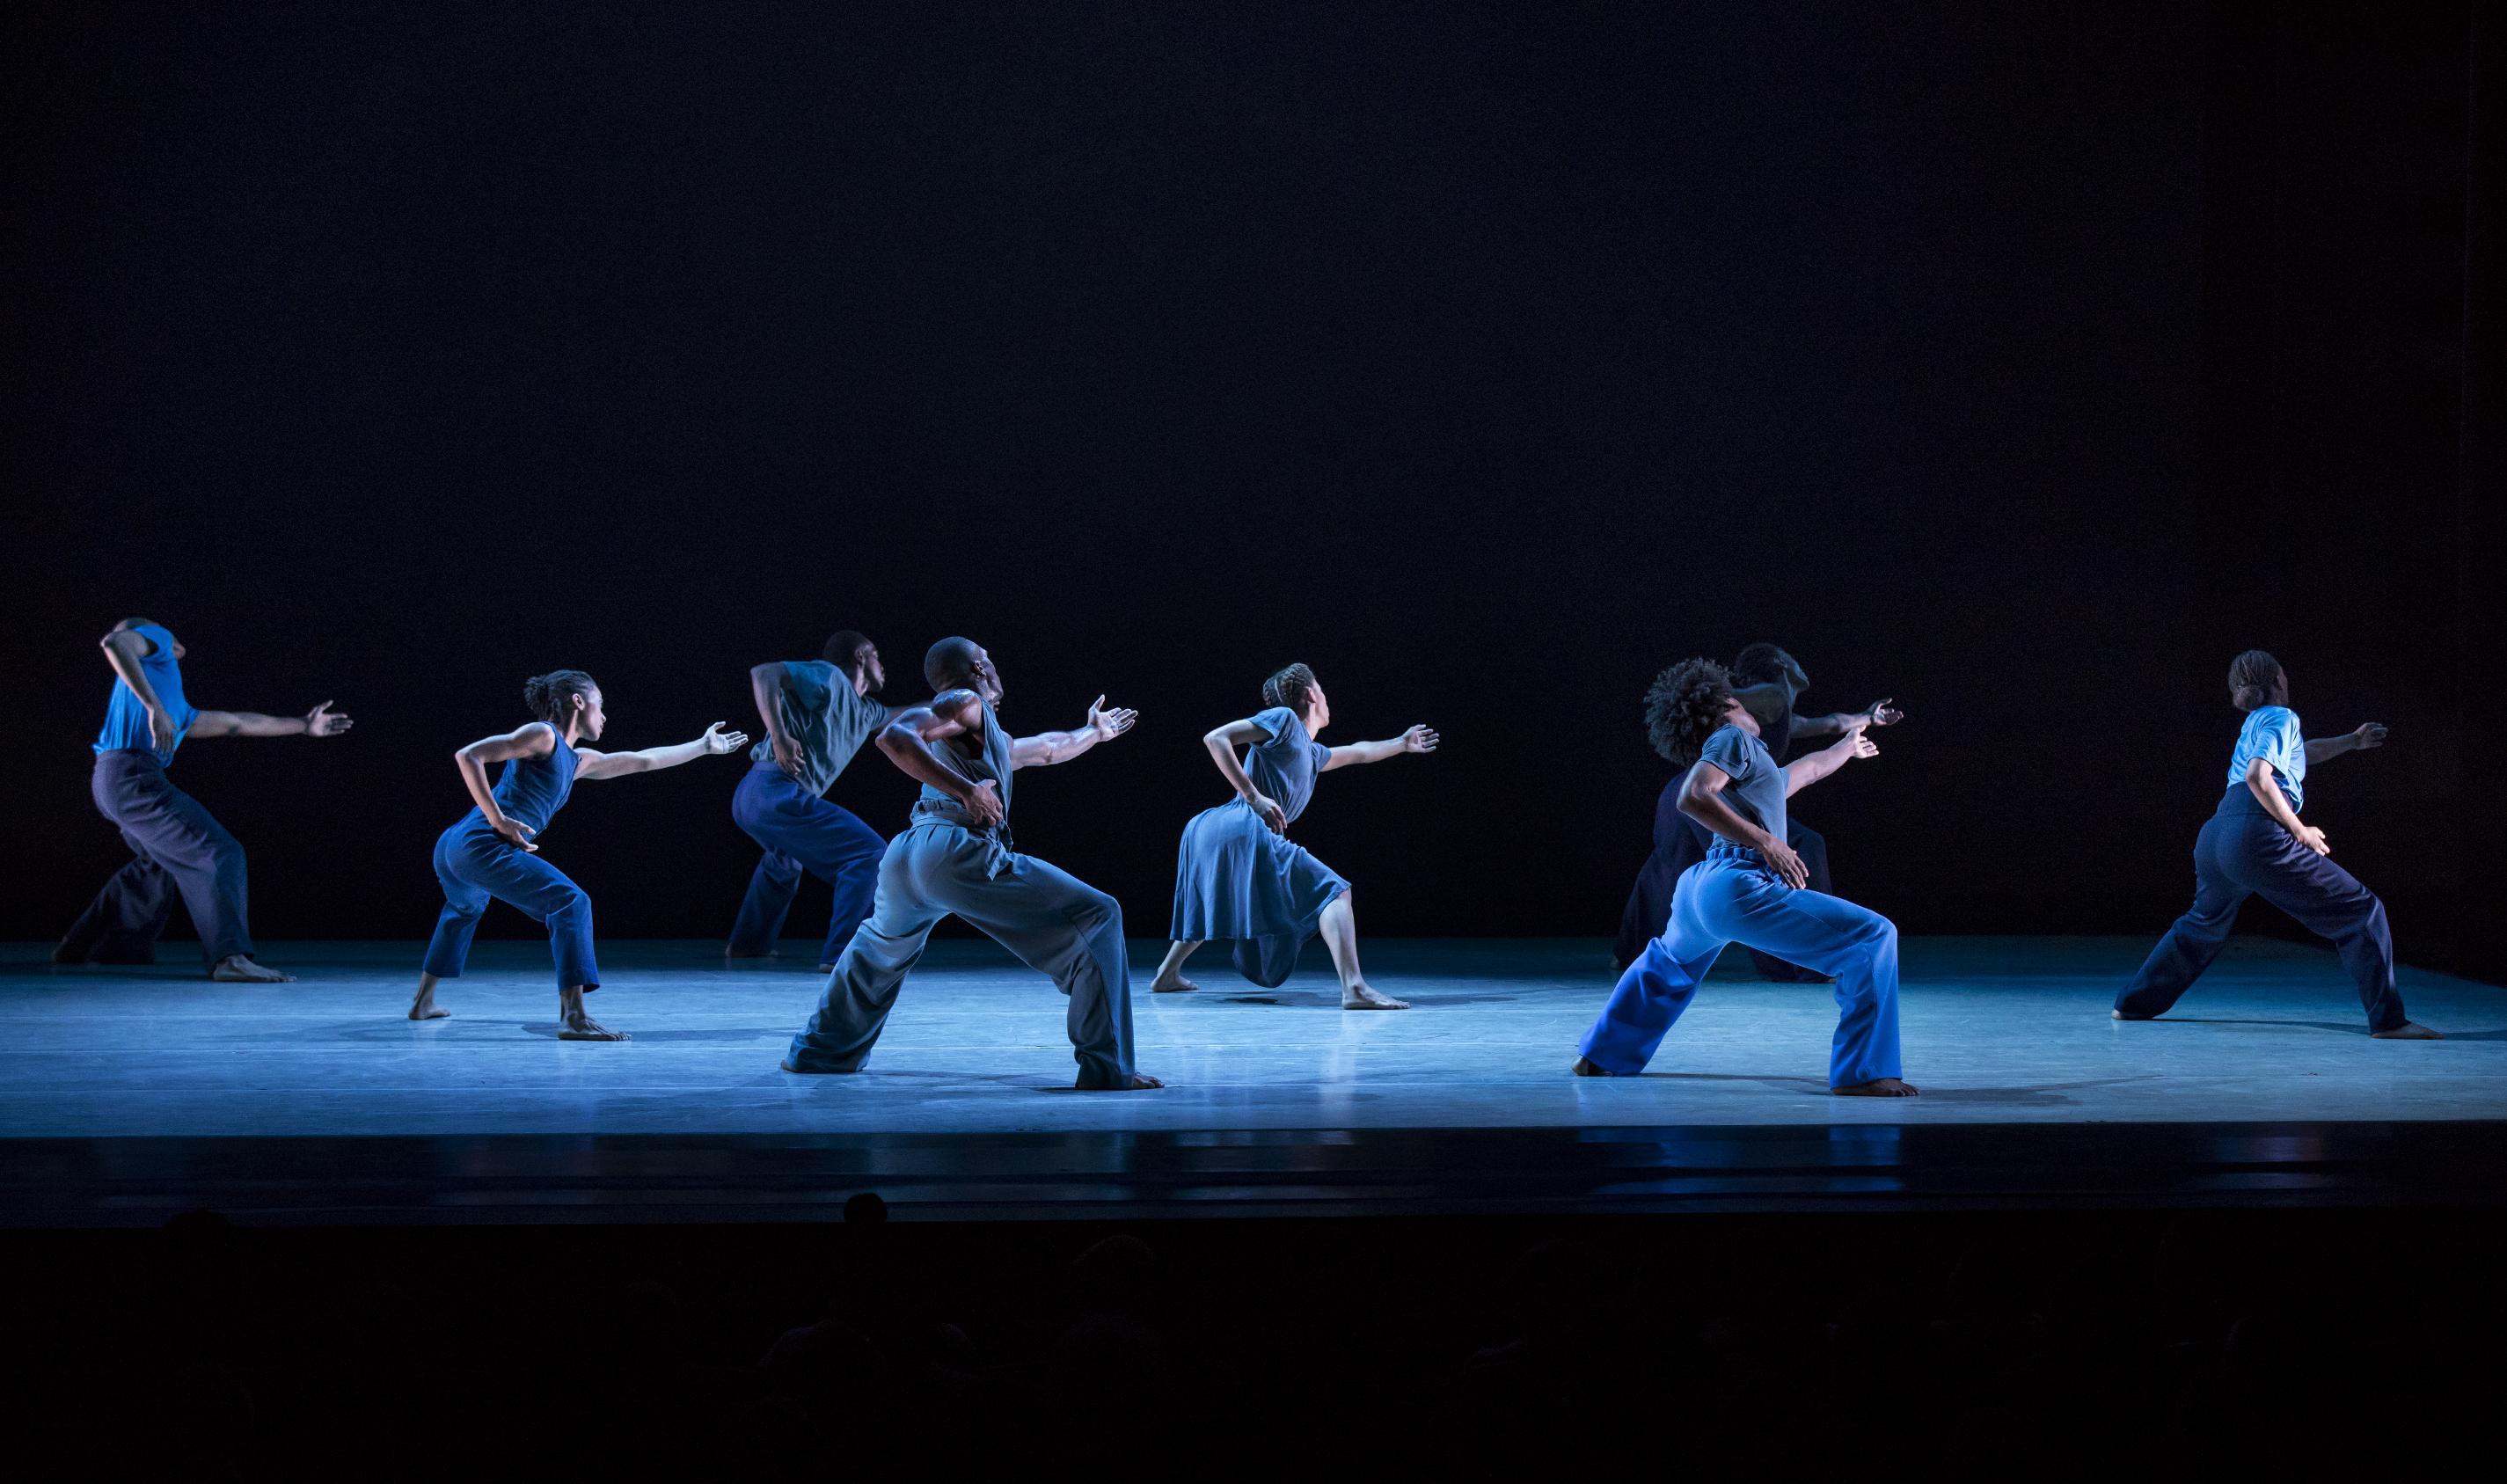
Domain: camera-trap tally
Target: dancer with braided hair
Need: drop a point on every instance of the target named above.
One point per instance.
(489, 851)
(1751, 890)
(1238, 876)
(2255, 846)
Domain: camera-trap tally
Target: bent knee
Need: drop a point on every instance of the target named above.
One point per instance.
(1095, 909)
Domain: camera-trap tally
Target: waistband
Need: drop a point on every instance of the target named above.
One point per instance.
(2242, 800)
(1721, 848)
(146, 755)
(930, 812)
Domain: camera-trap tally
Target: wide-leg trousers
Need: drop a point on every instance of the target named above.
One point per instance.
(177, 849)
(475, 864)
(801, 831)
(1053, 921)
(1734, 898)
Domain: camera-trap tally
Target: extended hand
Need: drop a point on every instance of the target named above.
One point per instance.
(2313, 838)
(1270, 810)
(319, 722)
(1108, 725)
(517, 832)
(985, 804)
(1857, 742)
(1420, 738)
(1880, 714)
(719, 742)
(162, 730)
(1788, 866)
(2370, 735)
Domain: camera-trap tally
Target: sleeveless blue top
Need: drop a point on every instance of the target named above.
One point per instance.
(992, 762)
(532, 789)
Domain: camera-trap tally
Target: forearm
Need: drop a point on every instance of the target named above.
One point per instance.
(1802, 771)
(1045, 748)
(2318, 748)
(653, 759)
(1223, 753)
(915, 758)
(765, 687)
(1819, 726)
(255, 724)
(1710, 809)
(1376, 751)
(474, 777)
(2266, 792)
(132, 674)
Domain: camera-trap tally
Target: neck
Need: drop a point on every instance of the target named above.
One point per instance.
(1313, 726)
(574, 730)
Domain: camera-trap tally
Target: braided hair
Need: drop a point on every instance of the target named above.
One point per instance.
(1290, 687)
(2255, 679)
(549, 696)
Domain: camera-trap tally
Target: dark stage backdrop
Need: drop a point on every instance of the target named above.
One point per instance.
(2021, 362)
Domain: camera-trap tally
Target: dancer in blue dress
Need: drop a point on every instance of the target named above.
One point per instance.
(1750, 890)
(818, 713)
(1238, 876)
(177, 849)
(489, 851)
(2257, 845)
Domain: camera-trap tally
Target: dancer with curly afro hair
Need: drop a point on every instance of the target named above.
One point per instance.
(1750, 888)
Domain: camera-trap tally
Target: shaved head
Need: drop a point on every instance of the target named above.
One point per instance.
(951, 663)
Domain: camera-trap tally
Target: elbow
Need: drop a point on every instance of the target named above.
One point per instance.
(771, 669)
(896, 740)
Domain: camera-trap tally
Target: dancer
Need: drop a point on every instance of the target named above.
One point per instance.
(955, 856)
(1767, 680)
(818, 713)
(178, 848)
(1239, 877)
(2257, 845)
(1750, 888)
(489, 850)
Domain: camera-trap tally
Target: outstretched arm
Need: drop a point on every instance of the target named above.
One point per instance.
(317, 722)
(907, 740)
(1419, 739)
(1045, 748)
(537, 739)
(1802, 771)
(1879, 713)
(612, 765)
(1701, 798)
(2370, 735)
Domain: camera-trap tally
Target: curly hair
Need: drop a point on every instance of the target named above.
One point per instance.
(2255, 679)
(1290, 687)
(1683, 706)
(551, 696)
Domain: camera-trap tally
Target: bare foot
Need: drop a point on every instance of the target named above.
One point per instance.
(1358, 997)
(236, 968)
(2408, 1031)
(1884, 1087)
(425, 1007)
(579, 1027)
(2120, 1014)
(1584, 1067)
(1140, 1082)
(1172, 984)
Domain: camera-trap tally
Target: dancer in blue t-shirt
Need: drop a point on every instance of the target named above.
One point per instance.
(2257, 845)
(178, 850)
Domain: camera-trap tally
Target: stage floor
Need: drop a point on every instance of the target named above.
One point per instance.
(107, 1065)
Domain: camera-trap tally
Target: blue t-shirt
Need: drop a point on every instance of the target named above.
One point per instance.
(1756, 792)
(2271, 732)
(126, 721)
(1284, 766)
(822, 712)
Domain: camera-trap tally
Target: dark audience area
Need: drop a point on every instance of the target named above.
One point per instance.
(1916, 1338)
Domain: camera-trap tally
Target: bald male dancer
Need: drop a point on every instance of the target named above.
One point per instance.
(955, 856)
(818, 713)
(177, 849)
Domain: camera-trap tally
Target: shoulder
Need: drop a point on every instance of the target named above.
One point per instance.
(2272, 719)
(1275, 721)
(960, 705)
(1731, 748)
(537, 738)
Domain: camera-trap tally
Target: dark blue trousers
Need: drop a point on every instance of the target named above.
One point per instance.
(177, 849)
(475, 864)
(801, 832)
(2242, 852)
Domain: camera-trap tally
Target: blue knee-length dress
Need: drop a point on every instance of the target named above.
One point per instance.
(1238, 880)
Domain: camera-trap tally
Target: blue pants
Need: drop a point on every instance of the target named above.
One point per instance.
(1729, 898)
(1679, 843)
(2242, 853)
(176, 849)
(1055, 922)
(475, 864)
(801, 832)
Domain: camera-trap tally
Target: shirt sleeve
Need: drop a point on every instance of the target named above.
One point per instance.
(1275, 722)
(2278, 742)
(809, 683)
(1729, 750)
